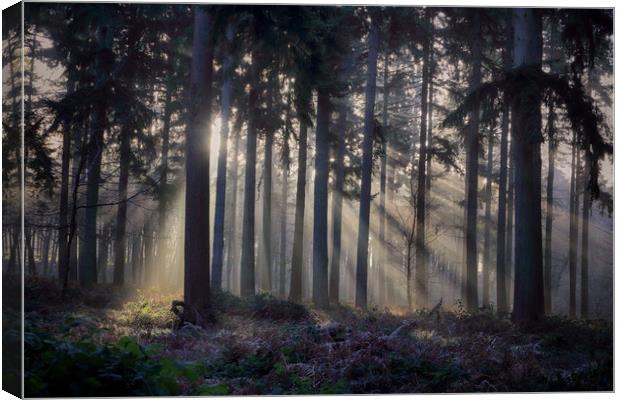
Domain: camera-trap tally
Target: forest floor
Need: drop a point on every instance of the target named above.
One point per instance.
(105, 342)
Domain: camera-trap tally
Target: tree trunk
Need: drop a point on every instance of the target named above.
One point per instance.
(283, 234)
(63, 254)
(78, 164)
(32, 265)
(121, 216)
(220, 197)
(267, 245)
(308, 233)
(364, 211)
(429, 135)
(197, 165)
(334, 281)
(149, 250)
(321, 167)
(409, 268)
(393, 258)
(102, 262)
(164, 239)
(249, 195)
(585, 228)
(471, 174)
(381, 247)
(53, 248)
(103, 66)
(45, 251)
(14, 249)
(529, 292)
(136, 249)
(500, 276)
(232, 253)
(509, 224)
(295, 291)
(573, 230)
(486, 302)
(421, 254)
(125, 156)
(29, 265)
(551, 146)
(71, 246)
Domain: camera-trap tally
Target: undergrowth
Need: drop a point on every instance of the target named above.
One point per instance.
(264, 345)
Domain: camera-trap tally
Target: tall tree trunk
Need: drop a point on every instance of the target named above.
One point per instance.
(220, 197)
(381, 247)
(197, 145)
(249, 195)
(232, 253)
(63, 254)
(361, 278)
(585, 229)
(486, 302)
(334, 278)
(321, 168)
(162, 207)
(308, 233)
(267, 244)
(125, 156)
(421, 254)
(17, 246)
(573, 231)
(121, 216)
(103, 66)
(392, 258)
(286, 160)
(529, 292)
(75, 234)
(500, 275)
(429, 135)
(295, 293)
(551, 147)
(555, 54)
(471, 174)
(585, 240)
(283, 234)
(71, 246)
(509, 224)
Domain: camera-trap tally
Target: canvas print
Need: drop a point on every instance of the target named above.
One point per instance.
(212, 199)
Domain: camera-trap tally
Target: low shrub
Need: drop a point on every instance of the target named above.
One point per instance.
(55, 368)
(268, 307)
(145, 315)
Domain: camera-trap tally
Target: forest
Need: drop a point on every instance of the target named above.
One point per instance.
(252, 199)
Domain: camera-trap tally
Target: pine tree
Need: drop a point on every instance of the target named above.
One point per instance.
(361, 288)
(247, 250)
(319, 255)
(421, 258)
(103, 67)
(471, 178)
(529, 296)
(197, 258)
(220, 200)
